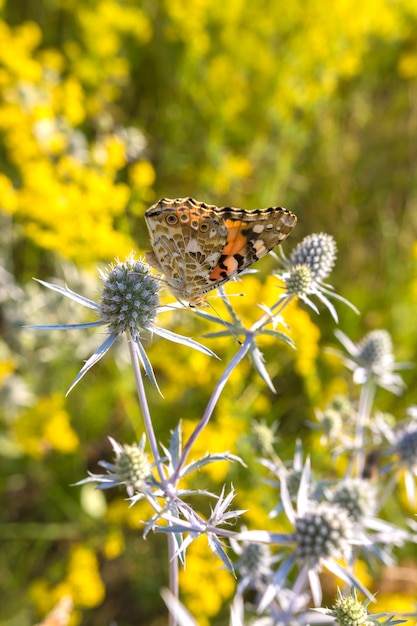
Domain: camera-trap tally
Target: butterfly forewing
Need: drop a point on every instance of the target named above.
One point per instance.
(251, 235)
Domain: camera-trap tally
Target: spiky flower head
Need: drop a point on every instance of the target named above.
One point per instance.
(335, 416)
(129, 303)
(372, 360)
(299, 280)
(406, 445)
(254, 561)
(263, 436)
(331, 420)
(357, 496)
(293, 478)
(342, 404)
(130, 297)
(132, 467)
(375, 348)
(306, 269)
(318, 253)
(348, 611)
(324, 530)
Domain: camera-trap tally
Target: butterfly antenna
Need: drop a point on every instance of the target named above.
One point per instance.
(224, 321)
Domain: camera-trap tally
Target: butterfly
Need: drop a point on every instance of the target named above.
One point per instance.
(199, 246)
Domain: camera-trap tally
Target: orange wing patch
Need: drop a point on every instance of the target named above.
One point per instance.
(236, 241)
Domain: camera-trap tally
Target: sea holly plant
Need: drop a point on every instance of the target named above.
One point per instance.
(348, 609)
(129, 305)
(330, 523)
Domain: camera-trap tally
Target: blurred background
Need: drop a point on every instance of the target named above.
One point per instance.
(107, 106)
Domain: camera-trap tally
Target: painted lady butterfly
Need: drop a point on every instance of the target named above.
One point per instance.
(198, 246)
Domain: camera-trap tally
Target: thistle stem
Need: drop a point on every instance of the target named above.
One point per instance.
(211, 404)
(143, 403)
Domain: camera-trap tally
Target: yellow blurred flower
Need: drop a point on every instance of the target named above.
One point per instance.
(120, 513)
(7, 194)
(306, 336)
(394, 604)
(110, 153)
(45, 427)
(218, 436)
(407, 65)
(71, 101)
(82, 583)
(232, 168)
(142, 174)
(114, 544)
(205, 583)
(83, 577)
(16, 48)
(57, 600)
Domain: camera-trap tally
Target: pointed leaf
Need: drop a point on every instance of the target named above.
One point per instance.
(98, 354)
(345, 575)
(146, 364)
(210, 317)
(328, 304)
(336, 296)
(186, 341)
(65, 326)
(65, 291)
(175, 445)
(258, 361)
(179, 540)
(218, 549)
(279, 335)
(211, 458)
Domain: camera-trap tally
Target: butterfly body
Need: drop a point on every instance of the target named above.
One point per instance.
(198, 246)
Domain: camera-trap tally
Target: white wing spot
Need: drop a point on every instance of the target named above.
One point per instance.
(192, 246)
(260, 247)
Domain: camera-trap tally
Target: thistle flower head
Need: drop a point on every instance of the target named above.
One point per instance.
(323, 535)
(375, 349)
(334, 418)
(306, 269)
(130, 469)
(318, 253)
(406, 445)
(331, 420)
(325, 531)
(254, 561)
(132, 466)
(263, 436)
(130, 297)
(299, 280)
(357, 496)
(372, 360)
(129, 303)
(348, 611)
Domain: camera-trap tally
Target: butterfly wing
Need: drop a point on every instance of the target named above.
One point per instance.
(199, 246)
(187, 239)
(250, 236)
